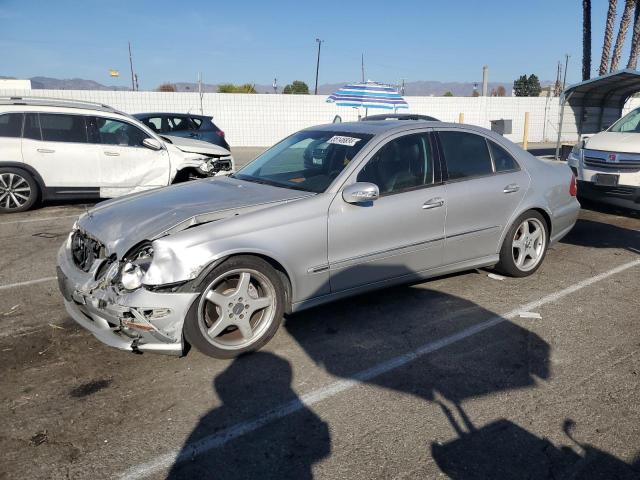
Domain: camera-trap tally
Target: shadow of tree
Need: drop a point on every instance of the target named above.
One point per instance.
(503, 449)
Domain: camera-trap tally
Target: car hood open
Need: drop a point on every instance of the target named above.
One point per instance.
(122, 223)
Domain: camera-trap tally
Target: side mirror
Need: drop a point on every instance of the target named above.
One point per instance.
(152, 144)
(360, 192)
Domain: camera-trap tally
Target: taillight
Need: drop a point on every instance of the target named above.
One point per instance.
(573, 187)
(220, 133)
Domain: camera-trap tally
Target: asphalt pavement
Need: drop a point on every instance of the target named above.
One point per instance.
(450, 378)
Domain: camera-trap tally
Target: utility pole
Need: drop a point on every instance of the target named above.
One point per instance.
(362, 67)
(200, 92)
(133, 85)
(318, 64)
(566, 65)
(135, 77)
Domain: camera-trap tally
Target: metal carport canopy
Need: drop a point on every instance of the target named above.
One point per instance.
(609, 92)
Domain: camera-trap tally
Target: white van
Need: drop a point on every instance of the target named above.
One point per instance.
(607, 164)
(61, 149)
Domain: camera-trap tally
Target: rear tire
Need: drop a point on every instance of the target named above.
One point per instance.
(239, 310)
(18, 190)
(524, 246)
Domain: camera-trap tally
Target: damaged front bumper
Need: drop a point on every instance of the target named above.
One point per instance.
(140, 320)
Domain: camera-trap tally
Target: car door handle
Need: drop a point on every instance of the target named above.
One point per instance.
(112, 154)
(433, 203)
(46, 150)
(511, 188)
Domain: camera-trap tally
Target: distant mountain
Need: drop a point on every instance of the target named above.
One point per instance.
(48, 83)
(417, 88)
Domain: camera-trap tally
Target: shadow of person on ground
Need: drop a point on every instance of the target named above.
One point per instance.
(590, 233)
(503, 449)
(373, 330)
(228, 444)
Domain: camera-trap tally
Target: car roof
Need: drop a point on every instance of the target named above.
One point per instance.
(27, 101)
(153, 114)
(385, 126)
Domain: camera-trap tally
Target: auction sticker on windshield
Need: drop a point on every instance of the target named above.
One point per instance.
(348, 141)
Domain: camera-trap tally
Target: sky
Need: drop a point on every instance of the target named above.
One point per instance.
(252, 41)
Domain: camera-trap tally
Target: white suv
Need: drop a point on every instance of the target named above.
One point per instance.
(61, 149)
(607, 164)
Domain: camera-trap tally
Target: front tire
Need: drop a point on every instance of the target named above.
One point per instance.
(239, 310)
(524, 246)
(18, 190)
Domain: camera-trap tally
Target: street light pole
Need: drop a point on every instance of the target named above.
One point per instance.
(318, 64)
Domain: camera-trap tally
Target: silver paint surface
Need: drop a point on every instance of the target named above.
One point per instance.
(327, 247)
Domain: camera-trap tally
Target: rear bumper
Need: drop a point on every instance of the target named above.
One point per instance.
(620, 196)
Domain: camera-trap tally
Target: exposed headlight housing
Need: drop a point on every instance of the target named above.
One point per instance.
(131, 276)
(136, 264)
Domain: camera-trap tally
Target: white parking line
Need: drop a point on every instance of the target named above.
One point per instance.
(28, 282)
(30, 220)
(219, 439)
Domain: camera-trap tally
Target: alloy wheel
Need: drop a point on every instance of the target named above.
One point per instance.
(15, 191)
(528, 244)
(237, 308)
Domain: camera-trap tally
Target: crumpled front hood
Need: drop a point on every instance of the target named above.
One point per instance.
(614, 142)
(124, 222)
(191, 145)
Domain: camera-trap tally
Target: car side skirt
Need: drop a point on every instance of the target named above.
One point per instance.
(411, 277)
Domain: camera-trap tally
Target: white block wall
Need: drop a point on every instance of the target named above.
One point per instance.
(263, 119)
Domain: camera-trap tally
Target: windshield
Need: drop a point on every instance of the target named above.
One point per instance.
(307, 160)
(629, 123)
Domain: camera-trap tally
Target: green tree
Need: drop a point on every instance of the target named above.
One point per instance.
(296, 87)
(534, 86)
(231, 88)
(448, 94)
(527, 86)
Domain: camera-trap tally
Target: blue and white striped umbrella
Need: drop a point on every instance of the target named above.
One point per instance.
(368, 95)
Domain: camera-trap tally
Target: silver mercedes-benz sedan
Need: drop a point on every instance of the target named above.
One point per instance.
(328, 212)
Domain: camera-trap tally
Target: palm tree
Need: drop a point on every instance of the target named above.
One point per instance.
(622, 33)
(608, 36)
(635, 39)
(586, 39)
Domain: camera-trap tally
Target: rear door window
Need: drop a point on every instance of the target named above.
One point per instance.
(466, 155)
(32, 127)
(502, 160)
(63, 128)
(11, 125)
(196, 123)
